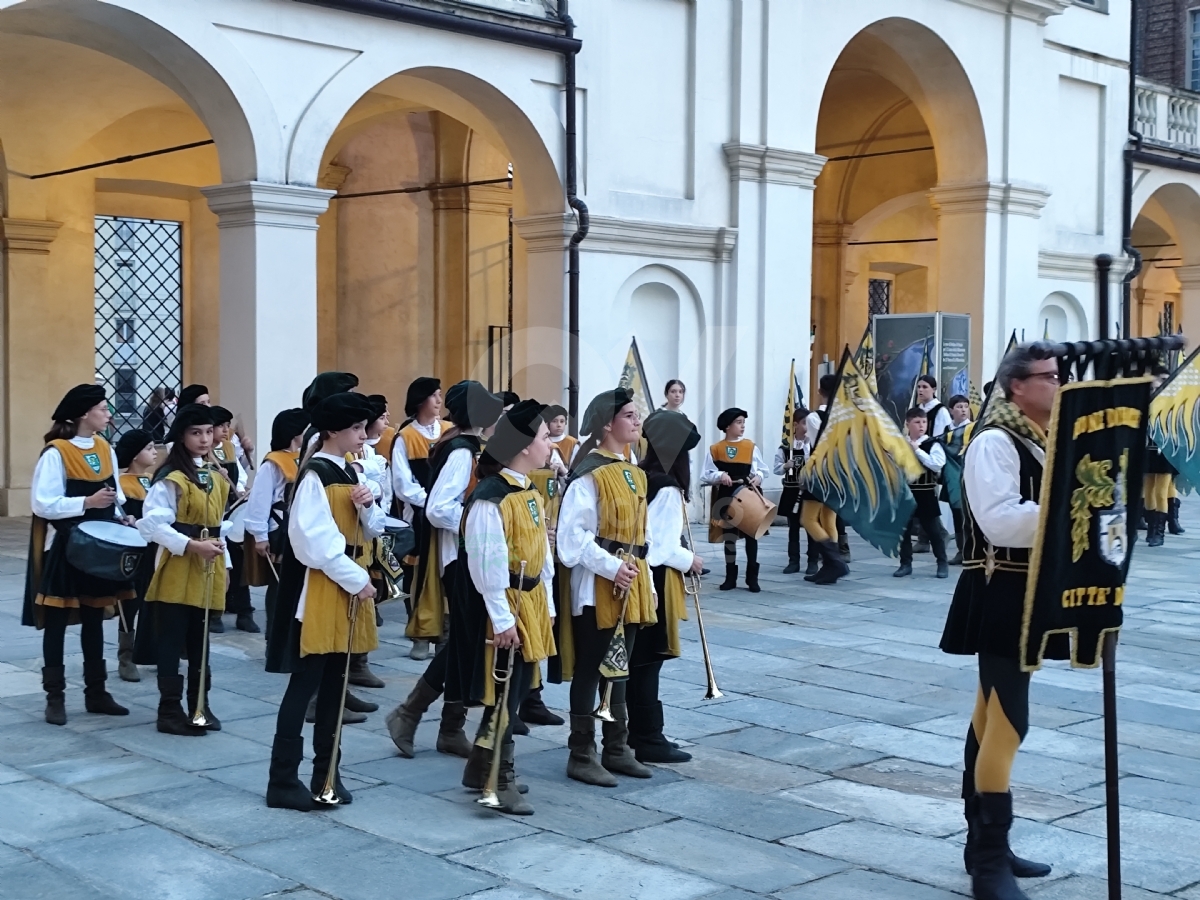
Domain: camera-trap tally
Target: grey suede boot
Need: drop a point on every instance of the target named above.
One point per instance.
(582, 764)
(617, 755)
(126, 670)
(402, 721)
(451, 738)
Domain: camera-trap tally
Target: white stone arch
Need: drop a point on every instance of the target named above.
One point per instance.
(1061, 317)
(181, 50)
(467, 97)
(1180, 200)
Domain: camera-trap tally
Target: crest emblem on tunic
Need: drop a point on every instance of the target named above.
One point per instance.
(731, 452)
(93, 461)
(205, 479)
(551, 488)
(144, 482)
(219, 453)
(533, 510)
(629, 481)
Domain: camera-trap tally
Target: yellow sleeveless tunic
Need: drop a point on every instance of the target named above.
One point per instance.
(134, 487)
(287, 461)
(622, 517)
(184, 579)
(326, 625)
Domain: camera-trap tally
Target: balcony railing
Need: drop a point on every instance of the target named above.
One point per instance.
(1167, 116)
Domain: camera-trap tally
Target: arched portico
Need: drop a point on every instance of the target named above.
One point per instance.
(1166, 231)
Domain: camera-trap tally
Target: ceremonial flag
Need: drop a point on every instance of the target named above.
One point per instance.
(1175, 419)
(861, 465)
(981, 415)
(633, 377)
(795, 399)
(975, 399)
(864, 359)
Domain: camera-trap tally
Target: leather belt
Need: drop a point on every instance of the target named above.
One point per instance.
(637, 551)
(524, 584)
(354, 551)
(193, 531)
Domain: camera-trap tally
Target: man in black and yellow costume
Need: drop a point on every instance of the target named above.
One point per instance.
(510, 608)
(730, 464)
(601, 538)
(1002, 477)
(332, 522)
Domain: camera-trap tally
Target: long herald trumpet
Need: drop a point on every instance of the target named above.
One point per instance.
(615, 664)
(329, 795)
(493, 738)
(199, 719)
(691, 586)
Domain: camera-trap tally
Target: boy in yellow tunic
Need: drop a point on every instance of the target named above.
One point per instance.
(136, 454)
(602, 538)
(729, 464)
(183, 513)
(507, 553)
(331, 524)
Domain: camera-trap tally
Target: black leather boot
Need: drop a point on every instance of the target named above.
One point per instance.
(171, 717)
(833, 565)
(54, 683)
(646, 736)
(193, 696)
(1156, 528)
(730, 582)
(535, 712)
(1173, 517)
(793, 565)
(992, 877)
(1022, 868)
(95, 698)
(752, 578)
(284, 788)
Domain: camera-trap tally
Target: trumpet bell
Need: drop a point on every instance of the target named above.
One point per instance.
(199, 719)
(713, 692)
(490, 799)
(328, 797)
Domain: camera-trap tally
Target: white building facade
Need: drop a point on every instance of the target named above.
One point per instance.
(378, 186)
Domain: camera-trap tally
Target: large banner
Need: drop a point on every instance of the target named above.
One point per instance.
(1090, 497)
(904, 349)
(1175, 420)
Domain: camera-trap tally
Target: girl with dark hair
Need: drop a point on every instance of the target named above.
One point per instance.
(675, 392)
(75, 480)
(183, 513)
(669, 438)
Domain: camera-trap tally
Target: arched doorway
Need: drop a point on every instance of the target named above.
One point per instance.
(109, 270)
(1166, 231)
(422, 268)
(899, 212)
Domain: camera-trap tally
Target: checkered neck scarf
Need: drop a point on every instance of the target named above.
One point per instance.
(1007, 415)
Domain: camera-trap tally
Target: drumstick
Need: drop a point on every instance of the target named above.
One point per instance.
(272, 565)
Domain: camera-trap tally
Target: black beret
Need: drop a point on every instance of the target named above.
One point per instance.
(338, 412)
(553, 411)
(192, 393)
(516, 430)
(604, 408)
(287, 425)
(471, 405)
(418, 392)
(725, 419)
(188, 417)
(130, 445)
(510, 398)
(220, 415)
(77, 401)
(379, 405)
(326, 384)
(669, 433)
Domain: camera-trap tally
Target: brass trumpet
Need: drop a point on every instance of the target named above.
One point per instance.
(691, 587)
(615, 664)
(199, 719)
(493, 738)
(329, 795)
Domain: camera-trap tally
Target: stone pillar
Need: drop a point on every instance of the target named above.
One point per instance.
(26, 349)
(540, 308)
(487, 273)
(1189, 299)
(268, 296)
(987, 262)
(332, 178)
(771, 305)
(831, 285)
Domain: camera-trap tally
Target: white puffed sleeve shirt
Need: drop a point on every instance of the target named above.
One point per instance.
(267, 490)
(934, 459)
(48, 495)
(664, 528)
(316, 540)
(992, 478)
(444, 505)
(575, 541)
(159, 510)
(487, 560)
(404, 485)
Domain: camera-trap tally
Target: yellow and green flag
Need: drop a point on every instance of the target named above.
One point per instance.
(864, 359)
(633, 377)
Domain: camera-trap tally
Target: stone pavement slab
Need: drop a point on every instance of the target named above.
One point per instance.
(36, 880)
(36, 812)
(858, 884)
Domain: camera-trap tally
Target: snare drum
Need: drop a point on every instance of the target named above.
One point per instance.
(399, 537)
(236, 517)
(750, 512)
(107, 550)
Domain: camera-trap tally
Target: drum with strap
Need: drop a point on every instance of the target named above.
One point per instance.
(106, 550)
(750, 512)
(236, 517)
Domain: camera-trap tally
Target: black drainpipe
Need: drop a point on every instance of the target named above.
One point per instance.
(1133, 149)
(583, 222)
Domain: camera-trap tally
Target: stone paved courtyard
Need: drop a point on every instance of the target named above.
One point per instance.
(829, 770)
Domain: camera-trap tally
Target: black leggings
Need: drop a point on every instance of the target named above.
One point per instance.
(180, 627)
(731, 551)
(591, 643)
(642, 689)
(237, 595)
(518, 690)
(54, 633)
(320, 674)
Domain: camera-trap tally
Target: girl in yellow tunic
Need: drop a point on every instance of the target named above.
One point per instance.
(669, 437)
(74, 481)
(136, 454)
(511, 570)
(331, 523)
(601, 537)
(183, 512)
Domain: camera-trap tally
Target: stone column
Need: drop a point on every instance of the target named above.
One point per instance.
(540, 308)
(332, 178)
(1189, 298)
(268, 296)
(487, 273)
(26, 354)
(771, 305)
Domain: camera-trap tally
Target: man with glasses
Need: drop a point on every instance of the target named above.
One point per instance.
(1002, 476)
